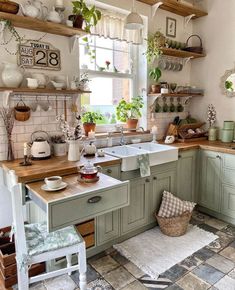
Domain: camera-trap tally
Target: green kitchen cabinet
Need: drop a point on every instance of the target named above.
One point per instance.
(186, 175)
(136, 215)
(210, 180)
(160, 181)
(228, 200)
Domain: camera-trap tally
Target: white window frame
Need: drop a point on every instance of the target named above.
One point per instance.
(132, 76)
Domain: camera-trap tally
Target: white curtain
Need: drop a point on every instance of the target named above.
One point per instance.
(112, 26)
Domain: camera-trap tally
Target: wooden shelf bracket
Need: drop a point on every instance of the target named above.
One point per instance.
(6, 98)
(155, 7)
(186, 60)
(187, 19)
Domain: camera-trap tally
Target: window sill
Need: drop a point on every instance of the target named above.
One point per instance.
(118, 134)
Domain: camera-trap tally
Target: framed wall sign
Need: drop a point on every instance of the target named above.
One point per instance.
(170, 27)
(39, 55)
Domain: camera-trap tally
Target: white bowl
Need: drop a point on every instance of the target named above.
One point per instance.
(136, 140)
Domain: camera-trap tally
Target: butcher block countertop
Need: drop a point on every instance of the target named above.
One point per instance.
(54, 166)
(61, 166)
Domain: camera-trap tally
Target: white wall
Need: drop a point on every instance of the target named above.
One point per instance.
(217, 31)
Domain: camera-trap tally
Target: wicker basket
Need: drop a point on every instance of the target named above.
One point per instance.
(196, 49)
(174, 226)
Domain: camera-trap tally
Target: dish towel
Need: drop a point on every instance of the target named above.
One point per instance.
(143, 161)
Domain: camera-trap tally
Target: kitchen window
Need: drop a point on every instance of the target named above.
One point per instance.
(110, 65)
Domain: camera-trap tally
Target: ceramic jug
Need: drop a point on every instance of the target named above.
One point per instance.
(12, 75)
(54, 16)
(43, 79)
(74, 152)
(30, 10)
(43, 10)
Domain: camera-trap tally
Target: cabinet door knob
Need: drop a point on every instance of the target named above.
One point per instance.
(147, 180)
(154, 178)
(109, 170)
(179, 156)
(94, 199)
(218, 156)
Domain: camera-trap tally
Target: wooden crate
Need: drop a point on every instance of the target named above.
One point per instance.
(7, 254)
(89, 240)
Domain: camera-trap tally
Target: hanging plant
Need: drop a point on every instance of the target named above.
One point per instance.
(155, 43)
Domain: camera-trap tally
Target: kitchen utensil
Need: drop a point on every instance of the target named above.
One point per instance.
(65, 110)
(63, 185)
(22, 112)
(196, 49)
(89, 172)
(172, 106)
(32, 83)
(40, 148)
(180, 107)
(9, 7)
(12, 75)
(53, 181)
(57, 86)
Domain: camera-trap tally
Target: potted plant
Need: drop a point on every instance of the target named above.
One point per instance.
(59, 145)
(130, 112)
(155, 74)
(155, 42)
(89, 121)
(82, 13)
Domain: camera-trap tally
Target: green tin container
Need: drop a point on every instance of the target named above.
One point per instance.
(227, 135)
(228, 125)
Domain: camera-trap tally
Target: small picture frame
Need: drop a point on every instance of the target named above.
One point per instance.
(170, 27)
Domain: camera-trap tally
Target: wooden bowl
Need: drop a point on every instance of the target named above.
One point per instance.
(9, 7)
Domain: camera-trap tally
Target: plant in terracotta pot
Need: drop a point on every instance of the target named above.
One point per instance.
(130, 112)
(155, 74)
(82, 13)
(89, 121)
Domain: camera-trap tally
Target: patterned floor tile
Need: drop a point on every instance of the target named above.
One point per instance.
(134, 270)
(191, 262)
(208, 228)
(218, 224)
(174, 287)
(96, 257)
(191, 282)
(230, 230)
(204, 254)
(37, 286)
(104, 265)
(221, 263)
(200, 216)
(154, 284)
(232, 274)
(136, 285)
(174, 273)
(232, 244)
(119, 278)
(208, 273)
(223, 241)
(63, 282)
(229, 253)
(99, 284)
(91, 275)
(225, 283)
(110, 251)
(119, 258)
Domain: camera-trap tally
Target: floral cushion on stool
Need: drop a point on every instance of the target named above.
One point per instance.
(40, 241)
(173, 206)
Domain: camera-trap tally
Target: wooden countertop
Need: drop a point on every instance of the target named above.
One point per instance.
(53, 166)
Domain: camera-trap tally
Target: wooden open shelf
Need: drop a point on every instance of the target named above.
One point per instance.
(42, 26)
(177, 8)
(27, 91)
(176, 95)
(181, 53)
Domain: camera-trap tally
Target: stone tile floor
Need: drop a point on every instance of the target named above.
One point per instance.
(212, 267)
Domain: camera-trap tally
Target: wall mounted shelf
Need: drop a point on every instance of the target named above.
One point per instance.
(42, 26)
(53, 92)
(177, 8)
(176, 95)
(181, 53)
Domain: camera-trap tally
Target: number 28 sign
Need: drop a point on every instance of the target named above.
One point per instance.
(39, 55)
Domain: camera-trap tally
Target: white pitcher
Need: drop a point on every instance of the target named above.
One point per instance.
(74, 152)
(12, 75)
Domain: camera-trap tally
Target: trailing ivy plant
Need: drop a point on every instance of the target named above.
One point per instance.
(155, 43)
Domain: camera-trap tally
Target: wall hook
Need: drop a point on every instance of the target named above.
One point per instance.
(188, 18)
(155, 7)
(186, 60)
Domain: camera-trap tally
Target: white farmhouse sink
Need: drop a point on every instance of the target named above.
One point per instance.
(158, 154)
(128, 154)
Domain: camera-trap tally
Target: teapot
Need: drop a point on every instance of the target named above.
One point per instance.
(89, 172)
(40, 148)
(30, 10)
(54, 16)
(42, 79)
(90, 149)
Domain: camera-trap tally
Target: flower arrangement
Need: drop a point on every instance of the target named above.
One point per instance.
(8, 120)
(211, 115)
(70, 132)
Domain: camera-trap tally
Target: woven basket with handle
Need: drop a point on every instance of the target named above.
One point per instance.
(174, 226)
(196, 49)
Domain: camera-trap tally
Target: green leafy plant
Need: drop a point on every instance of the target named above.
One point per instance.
(131, 110)
(155, 42)
(91, 117)
(229, 86)
(90, 15)
(155, 74)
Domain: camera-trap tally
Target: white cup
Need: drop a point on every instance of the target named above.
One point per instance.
(69, 23)
(53, 182)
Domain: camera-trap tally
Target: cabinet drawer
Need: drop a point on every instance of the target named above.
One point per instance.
(228, 201)
(229, 161)
(113, 171)
(79, 209)
(89, 241)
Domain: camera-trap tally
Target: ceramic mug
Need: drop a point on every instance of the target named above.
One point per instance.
(53, 181)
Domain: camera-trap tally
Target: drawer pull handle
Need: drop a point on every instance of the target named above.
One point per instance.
(180, 156)
(147, 180)
(155, 178)
(109, 171)
(94, 199)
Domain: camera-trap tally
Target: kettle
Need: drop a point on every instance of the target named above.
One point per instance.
(40, 148)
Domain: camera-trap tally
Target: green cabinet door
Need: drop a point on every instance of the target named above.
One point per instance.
(210, 180)
(136, 214)
(160, 182)
(186, 175)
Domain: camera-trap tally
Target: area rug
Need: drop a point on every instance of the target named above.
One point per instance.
(154, 252)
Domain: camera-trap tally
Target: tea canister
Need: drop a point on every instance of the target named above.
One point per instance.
(227, 135)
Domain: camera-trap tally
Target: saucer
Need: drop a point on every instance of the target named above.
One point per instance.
(62, 186)
(86, 180)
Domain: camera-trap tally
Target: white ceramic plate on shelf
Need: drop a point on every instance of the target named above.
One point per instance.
(62, 186)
